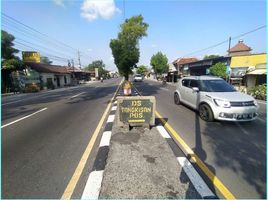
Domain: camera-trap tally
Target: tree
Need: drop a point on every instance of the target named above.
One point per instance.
(45, 60)
(97, 64)
(142, 69)
(125, 47)
(210, 57)
(159, 62)
(219, 69)
(8, 51)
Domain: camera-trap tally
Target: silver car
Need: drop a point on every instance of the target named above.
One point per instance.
(138, 78)
(214, 98)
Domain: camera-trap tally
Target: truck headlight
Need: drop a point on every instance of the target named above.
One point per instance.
(222, 103)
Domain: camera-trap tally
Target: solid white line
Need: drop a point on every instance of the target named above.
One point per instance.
(110, 118)
(114, 107)
(261, 102)
(77, 95)
(163, 131)
(23, 117)
(195, 178)
(93, 185)
(105, 139)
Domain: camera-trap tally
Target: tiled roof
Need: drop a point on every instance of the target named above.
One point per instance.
(239, 47)
(45, 68)
(181, 61)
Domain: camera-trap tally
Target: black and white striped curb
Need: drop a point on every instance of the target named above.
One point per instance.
(93, 185)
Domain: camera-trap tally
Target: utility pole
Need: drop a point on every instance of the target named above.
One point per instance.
(79, 62)
(229, 72)
(229, 45)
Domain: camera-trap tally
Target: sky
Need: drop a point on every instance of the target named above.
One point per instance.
(59, 29)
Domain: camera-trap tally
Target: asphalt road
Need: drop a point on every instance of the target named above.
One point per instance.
(40, 153)
(234, 152)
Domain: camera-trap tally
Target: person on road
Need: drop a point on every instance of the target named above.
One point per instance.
(164, 81)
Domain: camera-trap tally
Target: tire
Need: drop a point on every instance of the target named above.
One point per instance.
(206, 113)
(177, 99)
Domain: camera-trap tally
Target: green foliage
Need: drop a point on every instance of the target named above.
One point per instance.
(210, 56)
(8, 60)
(258, 92)
(100, 65)
(45, 60)
(13, 64)
(7, 48)
(159, 62)
(142, 69)
(125, 47)
(219, 69)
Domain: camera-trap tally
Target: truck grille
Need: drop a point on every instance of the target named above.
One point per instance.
(241, 103)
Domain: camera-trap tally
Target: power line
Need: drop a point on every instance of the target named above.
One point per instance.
(51, 57)
(26, 33)
(37, 31)
(25, 29)
(218, 44)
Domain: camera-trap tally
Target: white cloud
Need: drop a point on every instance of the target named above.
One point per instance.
(154, 45)
(90, 49)
(94, 9)
(59, 2)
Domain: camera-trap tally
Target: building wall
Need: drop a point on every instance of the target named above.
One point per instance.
(45, 76)
(248, 60)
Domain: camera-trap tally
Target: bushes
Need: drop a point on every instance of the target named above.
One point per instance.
(32, 88)
(258, 92)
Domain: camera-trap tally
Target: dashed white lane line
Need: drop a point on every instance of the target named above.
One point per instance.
(105, 139)
(195, 178)
(77, 95)
(163, 132)
(110, 118)
(114, 107)
(93, 185)
(23, 118)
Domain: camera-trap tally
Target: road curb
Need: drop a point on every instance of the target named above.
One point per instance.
(93, 185)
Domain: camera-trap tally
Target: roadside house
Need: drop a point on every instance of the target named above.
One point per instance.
(182, 67)
(51, 76)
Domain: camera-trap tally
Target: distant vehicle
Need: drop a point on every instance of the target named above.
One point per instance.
(138, 78)
(214, 98)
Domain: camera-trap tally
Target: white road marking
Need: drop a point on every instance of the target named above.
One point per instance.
(195, 178)
(163, 131)
(105, 139)
(114, 107)
(23, 117)
(110, 118)
(93, 185)
(164, 89)
(261, 102)
(77, 95)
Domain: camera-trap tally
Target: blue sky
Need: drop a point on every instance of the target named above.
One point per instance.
(176, 28)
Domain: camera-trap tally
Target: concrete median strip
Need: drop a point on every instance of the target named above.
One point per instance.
(192, 174)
